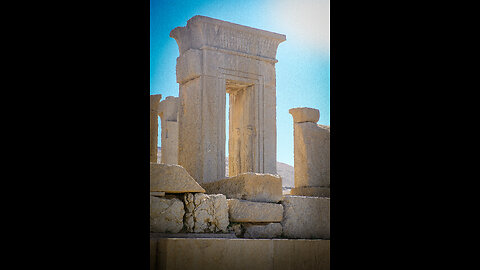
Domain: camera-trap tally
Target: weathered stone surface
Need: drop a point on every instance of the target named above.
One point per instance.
(154, 101)
(157, 194)
(304, 114)
(206, 213)
(233, 254)
(168, 112)
(306, 217)
(311, 155)
(245, 211)
(172, 178)
(248, 186)
(218, 57)
(311, 191)
(271, 230)
(166, 215)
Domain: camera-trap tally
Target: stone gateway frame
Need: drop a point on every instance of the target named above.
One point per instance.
(218, 57)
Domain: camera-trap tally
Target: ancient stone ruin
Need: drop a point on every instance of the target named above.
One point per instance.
(192, 203)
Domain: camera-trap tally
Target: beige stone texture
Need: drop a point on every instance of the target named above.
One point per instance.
(248, 186)
(217, 57)
(311, 155)
(206, 213)
(154, 101)
(170, 178)
(304, 114)
(311, 191)
(168, 112)
(157, 194)
(306, 217)
(233, 254)
(166, 215)
(271, 230)
(246, 211)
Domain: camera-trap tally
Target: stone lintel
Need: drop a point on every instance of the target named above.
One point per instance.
(246, 211)
(204, 31)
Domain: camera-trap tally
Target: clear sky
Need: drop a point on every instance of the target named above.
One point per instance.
(303, 68)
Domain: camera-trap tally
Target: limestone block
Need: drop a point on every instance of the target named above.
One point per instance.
(233, 254)
(271, 230)
(304, 114)
(206, 213)
(249, 186)
(311, 155)
(306, 217)
(172, 178)
(311, 191)
(245, 211)
(157, 194)
(166, 215)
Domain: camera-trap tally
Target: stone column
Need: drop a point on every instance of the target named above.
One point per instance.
(168, 112)
(154, 101)
(311, 154)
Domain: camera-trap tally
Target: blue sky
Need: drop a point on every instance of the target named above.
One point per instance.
(303, 68)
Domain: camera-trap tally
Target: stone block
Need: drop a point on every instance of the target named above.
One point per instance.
(303, 114)
(306, 217)
(206, 213)
(166, 215)
(172, 178)
(311, 155)
(249, 186)
(157, 194)
(232, 254)
(246, 211)
(311, 191)
(271, 230)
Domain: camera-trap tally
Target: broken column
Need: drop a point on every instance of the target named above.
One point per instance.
(168, 111)
(311, 154)
(154, 101)
(216, 57)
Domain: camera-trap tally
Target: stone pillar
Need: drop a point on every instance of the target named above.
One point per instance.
(216, 57)
(154, 101)
(311, 154)
(168, 112)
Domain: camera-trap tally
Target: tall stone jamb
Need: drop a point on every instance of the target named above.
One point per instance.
(154, 101)
(217, 57)
(311, 154)
(168, 112)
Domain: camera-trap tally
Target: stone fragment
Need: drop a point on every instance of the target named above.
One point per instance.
(157, 194)
(311, 155)
(172, 178)
(166, 215)
(271, 230)
(303, 114)
(249, 186)
(311, 191)
(245, 211)
(206, 213)
(306, 217)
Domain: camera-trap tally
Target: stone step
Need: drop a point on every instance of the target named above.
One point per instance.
(231, 254)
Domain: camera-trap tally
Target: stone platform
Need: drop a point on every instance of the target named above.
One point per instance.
(224, 253)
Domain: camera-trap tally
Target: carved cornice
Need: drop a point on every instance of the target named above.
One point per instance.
(203, 32)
